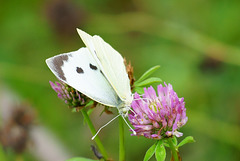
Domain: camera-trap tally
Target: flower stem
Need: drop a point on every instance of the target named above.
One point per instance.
(121, 140)
(173, 149)
(93, 131)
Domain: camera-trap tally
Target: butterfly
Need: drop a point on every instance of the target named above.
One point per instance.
(97, 70)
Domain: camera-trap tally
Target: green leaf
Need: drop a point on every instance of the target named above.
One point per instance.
(166, 144)
(139, 90)
(160, 152)
(80, 159)
(90, 111)
(150, 152)
(188, 139)
(174, 140)
(90, 103)
(148, 73)
(148, 81)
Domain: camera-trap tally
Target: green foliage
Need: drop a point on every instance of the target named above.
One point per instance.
(144, 81)
(160, 152)
(150, 152)
(139, 90)
(80, 159)
(174, 140)
(90, 103)
(158, 149)
(90, 111)
(188, 139)
(148, 82)
(147, 73)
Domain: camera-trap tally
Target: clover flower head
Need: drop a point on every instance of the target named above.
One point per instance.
(158, 115)
(69, 95)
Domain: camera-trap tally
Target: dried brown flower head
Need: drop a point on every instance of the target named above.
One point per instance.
(129, 69)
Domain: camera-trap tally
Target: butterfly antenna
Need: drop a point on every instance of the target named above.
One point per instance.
(104, 126)
(134, 133)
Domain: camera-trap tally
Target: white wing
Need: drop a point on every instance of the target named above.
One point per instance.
(80, 70)
(111, 63)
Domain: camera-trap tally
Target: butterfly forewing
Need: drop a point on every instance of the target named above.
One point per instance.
(80, 70)
(111, 63)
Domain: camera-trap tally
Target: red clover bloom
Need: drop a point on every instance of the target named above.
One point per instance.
(159, 116)
(71, 97)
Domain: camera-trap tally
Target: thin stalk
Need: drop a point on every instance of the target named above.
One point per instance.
(121, 140)
(173, 149)
(93, 131)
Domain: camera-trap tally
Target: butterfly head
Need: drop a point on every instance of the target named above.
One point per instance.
(125, 106)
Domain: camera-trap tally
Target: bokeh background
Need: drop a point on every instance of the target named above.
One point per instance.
(197, 44)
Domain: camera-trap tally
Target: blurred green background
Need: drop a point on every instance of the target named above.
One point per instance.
(197, 44)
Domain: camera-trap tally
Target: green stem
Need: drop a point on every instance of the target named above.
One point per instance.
(121, 140)
(93, 131)
(173, 149)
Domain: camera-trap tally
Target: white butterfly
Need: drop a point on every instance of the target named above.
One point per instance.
(97, 71)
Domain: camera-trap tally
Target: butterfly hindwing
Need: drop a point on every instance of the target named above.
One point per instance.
(80, 70)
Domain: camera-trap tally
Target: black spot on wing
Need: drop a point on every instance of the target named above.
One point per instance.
(79, 70)
(93, 67)
(58, 63)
